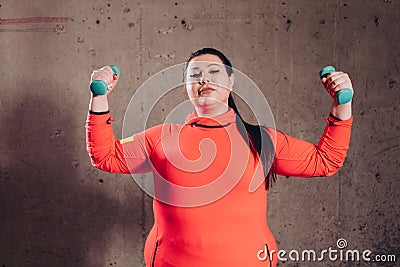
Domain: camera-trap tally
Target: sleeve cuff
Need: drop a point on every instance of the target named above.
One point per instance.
(333, 121)
(99, 118)
(99, 113)
(333, 117)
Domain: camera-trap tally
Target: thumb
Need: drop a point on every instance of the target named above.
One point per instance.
(324, 81)
(331, 92)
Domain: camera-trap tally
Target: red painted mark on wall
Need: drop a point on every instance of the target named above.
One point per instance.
(58, 28)
(33, 20)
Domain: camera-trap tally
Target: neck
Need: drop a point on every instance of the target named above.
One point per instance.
(211, 111)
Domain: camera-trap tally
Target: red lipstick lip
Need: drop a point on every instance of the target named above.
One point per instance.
(204, 89)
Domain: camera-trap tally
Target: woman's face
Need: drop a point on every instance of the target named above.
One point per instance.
(207, 83)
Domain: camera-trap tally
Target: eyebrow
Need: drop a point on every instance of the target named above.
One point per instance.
(209, 65)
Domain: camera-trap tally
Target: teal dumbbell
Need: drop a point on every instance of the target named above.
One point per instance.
(99, 87)
(344, 95)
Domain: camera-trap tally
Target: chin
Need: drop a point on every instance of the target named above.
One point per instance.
(206, 100)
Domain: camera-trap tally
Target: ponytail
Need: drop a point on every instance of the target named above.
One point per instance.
(259, 142)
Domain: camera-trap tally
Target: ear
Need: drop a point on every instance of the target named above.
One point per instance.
(232, 80)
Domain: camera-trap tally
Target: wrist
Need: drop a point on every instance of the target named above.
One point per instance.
(341, 111)
(98, 103)
(334, 117)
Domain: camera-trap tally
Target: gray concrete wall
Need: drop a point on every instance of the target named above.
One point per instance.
(57, 210)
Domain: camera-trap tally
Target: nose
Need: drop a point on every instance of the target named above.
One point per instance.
(204, 79)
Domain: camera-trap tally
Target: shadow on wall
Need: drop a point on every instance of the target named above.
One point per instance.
(51, 212)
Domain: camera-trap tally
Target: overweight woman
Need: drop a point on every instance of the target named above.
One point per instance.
(202, 226)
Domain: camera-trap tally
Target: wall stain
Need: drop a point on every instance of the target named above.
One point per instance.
(289, 23)
(33, 20)
(58, 28)
(392, 83)
(376, 20)
(186, 25)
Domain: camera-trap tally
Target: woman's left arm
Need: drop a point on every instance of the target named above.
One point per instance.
(295, 157)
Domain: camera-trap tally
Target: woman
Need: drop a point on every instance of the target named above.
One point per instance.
(207, 228)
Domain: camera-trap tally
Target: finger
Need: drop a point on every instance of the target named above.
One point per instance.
(103, 76)
(337, 87)
(327, 78)
(336, 79)
(111, 71)
(108, 69)
(342, 86)
(333, 75)
(106, 74)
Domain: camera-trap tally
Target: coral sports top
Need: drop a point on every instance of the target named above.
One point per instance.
(210, 203)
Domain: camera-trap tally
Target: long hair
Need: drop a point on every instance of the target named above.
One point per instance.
(258, 140)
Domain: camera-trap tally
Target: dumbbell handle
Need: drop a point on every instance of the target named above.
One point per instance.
(344, 95)
(99, 87)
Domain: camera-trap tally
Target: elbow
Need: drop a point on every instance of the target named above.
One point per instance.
(331, 172)
(329, 163)
(97, 161)
(108, 163)
(101, 165)
(332, 167)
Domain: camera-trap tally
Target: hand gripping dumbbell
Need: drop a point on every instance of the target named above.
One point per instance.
(344, 95)
(99, 87)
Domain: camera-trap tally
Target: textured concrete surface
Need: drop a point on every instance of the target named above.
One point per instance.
(57, 210)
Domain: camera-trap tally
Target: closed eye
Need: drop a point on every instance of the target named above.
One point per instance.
(195, 75)
(214, 71)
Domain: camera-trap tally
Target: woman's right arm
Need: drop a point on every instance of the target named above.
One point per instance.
(105, 152)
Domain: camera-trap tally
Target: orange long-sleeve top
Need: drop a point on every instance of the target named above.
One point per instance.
(205, 211)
